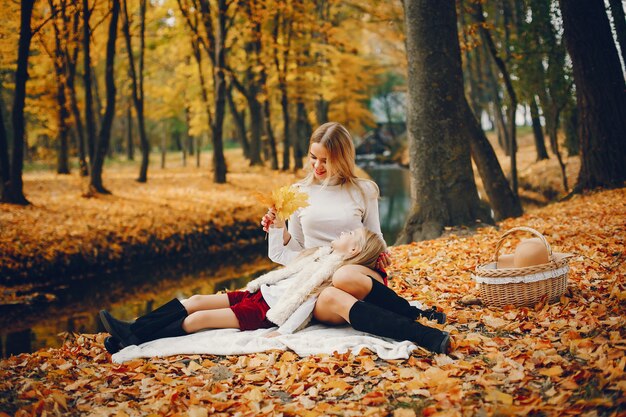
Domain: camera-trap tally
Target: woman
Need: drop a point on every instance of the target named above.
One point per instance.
(284, 297)
(339, 201)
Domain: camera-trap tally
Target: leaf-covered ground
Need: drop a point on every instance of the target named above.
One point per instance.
(565, 358)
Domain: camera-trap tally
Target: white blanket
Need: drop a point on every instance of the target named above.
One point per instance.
(316, 339)
(312, 340)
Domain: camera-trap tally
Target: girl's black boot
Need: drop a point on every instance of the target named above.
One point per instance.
(145, 326)
(141, 330)
(372, 319)
(385, 297)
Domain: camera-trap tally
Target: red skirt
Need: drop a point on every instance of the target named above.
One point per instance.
(250, 309)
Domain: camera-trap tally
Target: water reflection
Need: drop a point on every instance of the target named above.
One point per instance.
(127, 294)
(395, 201)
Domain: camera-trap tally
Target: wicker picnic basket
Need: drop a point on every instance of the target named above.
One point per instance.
(522, 286)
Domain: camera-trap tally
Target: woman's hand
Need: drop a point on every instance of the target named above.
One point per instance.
(270, 218)
(384, 260)
(275, 333)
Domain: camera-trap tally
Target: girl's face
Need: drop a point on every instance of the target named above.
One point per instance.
(348, 243)
(318, 157)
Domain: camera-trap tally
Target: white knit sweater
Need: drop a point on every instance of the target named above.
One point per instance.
(310, 274)
(332, 209)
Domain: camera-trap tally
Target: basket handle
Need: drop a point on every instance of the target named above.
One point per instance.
(524, 229)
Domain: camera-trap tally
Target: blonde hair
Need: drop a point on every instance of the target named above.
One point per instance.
(337, 141)
(371, 246)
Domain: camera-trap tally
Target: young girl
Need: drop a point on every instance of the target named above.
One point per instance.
(338, 200)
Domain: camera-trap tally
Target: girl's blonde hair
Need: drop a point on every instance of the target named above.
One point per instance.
(336, 139)
(371, 246)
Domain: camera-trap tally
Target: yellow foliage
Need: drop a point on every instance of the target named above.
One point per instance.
(286, 200)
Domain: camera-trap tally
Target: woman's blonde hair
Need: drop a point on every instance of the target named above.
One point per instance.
(337, 141)
(371, 246)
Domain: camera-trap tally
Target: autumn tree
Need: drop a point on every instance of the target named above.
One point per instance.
(600, 92)
(90, 120)
(104, 136)
(506, 76)
(137, 81)
(60, 23)
(443, 190)
(12, 186)
(212, 40)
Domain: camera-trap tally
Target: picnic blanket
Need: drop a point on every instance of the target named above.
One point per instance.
(315, 339)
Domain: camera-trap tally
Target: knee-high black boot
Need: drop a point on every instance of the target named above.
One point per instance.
(144, 328)
(385, 297)
(370, 318)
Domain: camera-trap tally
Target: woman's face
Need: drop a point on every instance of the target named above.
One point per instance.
(348, 242)
(318, 157)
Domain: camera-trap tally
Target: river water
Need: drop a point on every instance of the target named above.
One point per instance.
(128, 294)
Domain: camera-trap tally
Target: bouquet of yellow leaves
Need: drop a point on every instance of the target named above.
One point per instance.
(285, 200)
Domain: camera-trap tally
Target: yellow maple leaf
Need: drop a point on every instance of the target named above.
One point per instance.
(286, 200)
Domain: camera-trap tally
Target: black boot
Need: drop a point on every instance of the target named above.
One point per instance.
(142, 329)
(370, 318)
(112, 344)
(119, 330)
(385, 297)
(174, 329)
(145, 326)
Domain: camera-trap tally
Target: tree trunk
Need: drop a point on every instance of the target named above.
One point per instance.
(443, 190)
(219, 82)
(190, 139)
(90, 122)
(500, 124)
(130, 144)
(267, 122)
(5, 171)
(60, 60)
(503, 202)
(240, 123)
(136, 76)
(79, 128)
(600, 91)
(104, 136)
(15, 188)
(619, 23)
(491, 47)
(540, 142)
(288, 139)
(303, 133)
(197, 53)
(554, 116)
(572, 141)
(256, 126)
(322, 107)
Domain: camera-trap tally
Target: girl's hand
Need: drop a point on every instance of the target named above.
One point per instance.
(384, 260)
(270, 218)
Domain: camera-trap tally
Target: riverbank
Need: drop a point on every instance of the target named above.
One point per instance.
(565, 358)
(179, 211)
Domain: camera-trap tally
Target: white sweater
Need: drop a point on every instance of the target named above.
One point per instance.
(332, 209)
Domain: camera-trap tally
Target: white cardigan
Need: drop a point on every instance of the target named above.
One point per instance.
(310, 275)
